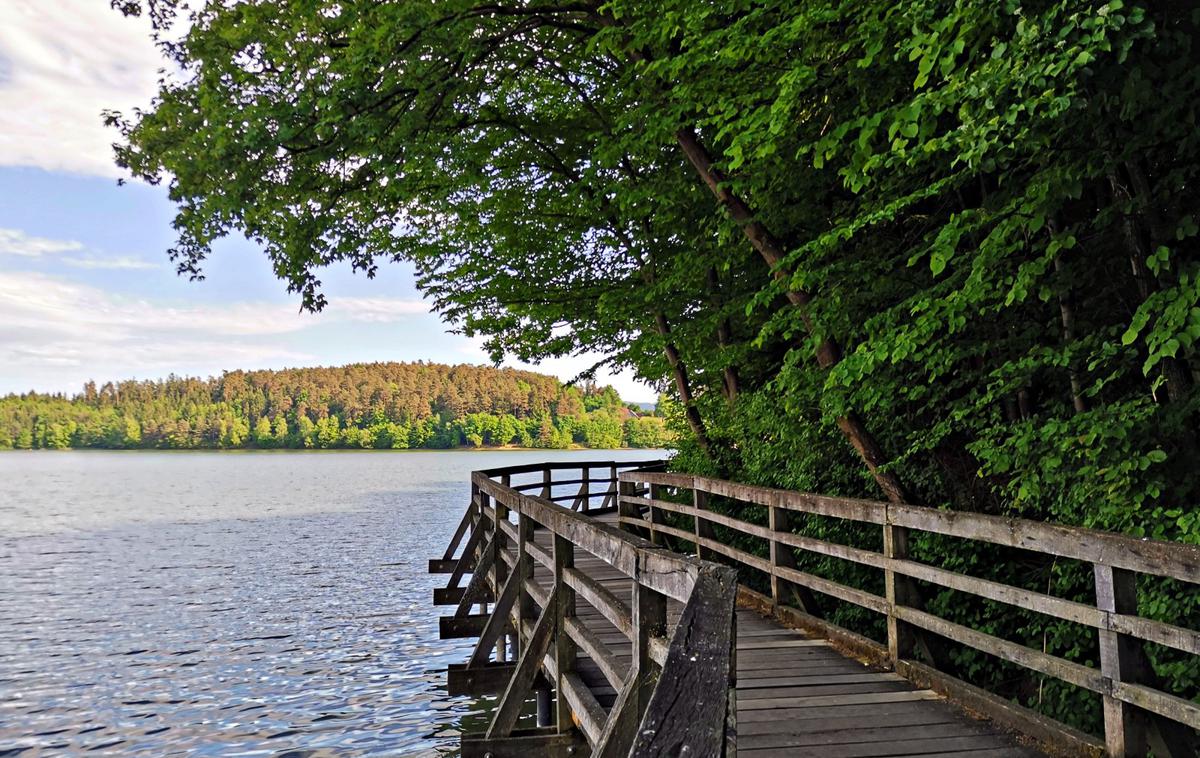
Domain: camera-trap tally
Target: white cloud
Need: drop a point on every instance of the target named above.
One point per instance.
(54, 333)
(17, 242)
(62, 62)
(124, 262)
(375, 309)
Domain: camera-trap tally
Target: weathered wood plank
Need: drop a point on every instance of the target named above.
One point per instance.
(442, 565)
(782, 644)
(688, 712)
(1175, 560)
(460, 627)
(862, 733)
(1051, 665)
(746, 696)
(933, 746)
(802, 679)
(824, 700)
(487, 679)
(811, 689)
(509, 707)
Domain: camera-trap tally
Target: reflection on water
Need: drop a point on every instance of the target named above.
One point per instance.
(230, 604)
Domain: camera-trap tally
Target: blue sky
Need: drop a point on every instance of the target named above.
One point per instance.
(86, 290)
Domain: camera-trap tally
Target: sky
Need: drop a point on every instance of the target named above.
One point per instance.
(86, 289)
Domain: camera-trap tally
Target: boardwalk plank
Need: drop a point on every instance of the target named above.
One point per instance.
(933, 747)
(799, 737)
(797, 696)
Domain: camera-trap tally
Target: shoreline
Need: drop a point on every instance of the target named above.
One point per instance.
(275, 450)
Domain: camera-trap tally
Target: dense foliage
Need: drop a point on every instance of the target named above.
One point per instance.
(379, 405)
(942, 251)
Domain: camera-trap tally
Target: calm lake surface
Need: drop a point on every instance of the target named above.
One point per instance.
(231, 603)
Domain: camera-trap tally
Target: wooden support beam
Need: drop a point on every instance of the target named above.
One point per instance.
(783, 556)
(477, 590)
(627, 509)
(442, 565)
(691, 711)
(467, 562)
(500, 568)
(702, 526)
(526, 607)
(526, 743)
(519, 686)
(649, 622)
(497, 623)
(454, 595)
(900, 636)
(621, 727)
(487, 679)
(1125, 731)
(655, 516)
(564, 610)
(455, 627)
(585, 493)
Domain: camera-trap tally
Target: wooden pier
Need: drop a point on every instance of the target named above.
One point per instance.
(601, 639)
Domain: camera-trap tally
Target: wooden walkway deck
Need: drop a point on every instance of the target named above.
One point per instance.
(635, 649)
(797, 696)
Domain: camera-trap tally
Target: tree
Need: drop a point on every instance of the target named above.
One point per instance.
(263, 435)
(279, 432)
(869, 246)
(133, 433)
(646, 431)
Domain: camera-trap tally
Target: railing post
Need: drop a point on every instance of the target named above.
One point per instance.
(485, 524)
(499, 538)
(702, 527)
(547, 482)
(612, 487)
(901, 640)
(653, 513)
(584, 491)
(524, 568)
(565, 648)
(649, 620)
(781, 554)
(506, 645)
(1125, 728)
(624, 509)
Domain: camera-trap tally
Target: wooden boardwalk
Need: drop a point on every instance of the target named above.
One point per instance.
(581, 600)
(797, 696)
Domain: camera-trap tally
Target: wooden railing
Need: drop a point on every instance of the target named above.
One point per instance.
(1137, 716)
(530, 640)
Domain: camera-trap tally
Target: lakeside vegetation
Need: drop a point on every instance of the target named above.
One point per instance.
(936, 252)
(380, 405)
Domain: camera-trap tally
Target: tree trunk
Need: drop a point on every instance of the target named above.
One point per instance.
(731, 382)
(828, 351)
(682, 385)
(1139, 251)
(1066, 309)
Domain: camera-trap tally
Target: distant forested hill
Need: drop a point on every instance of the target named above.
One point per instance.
(376, 405)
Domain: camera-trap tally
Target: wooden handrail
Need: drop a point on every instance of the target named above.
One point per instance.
(1123, 676)
(548, 638)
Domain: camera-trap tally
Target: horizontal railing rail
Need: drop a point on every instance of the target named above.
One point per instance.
(531, 639)
(1123, 679)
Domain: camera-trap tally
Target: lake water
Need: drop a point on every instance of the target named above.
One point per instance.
(231, 603)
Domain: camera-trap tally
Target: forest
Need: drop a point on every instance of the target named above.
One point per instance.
(940, 252)
(379, 406)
